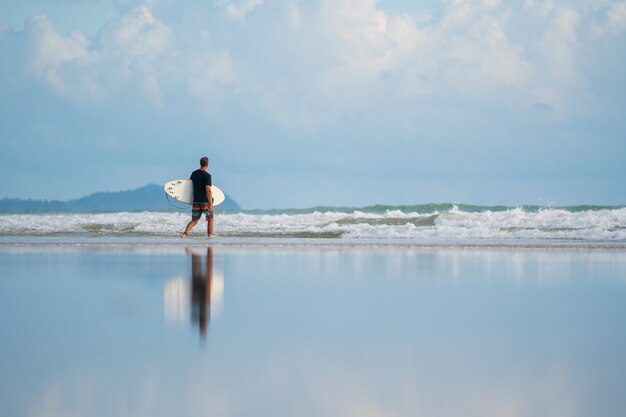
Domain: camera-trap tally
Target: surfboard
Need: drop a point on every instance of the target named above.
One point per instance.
(182, 190)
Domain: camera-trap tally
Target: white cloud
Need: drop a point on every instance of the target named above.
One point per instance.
(613, 21)
(511, 56)
(294, 14)
(558, 43)
(542, 7)
(466, 52)
(348, 55)
(239, 10)
(616, 17)
(137, 33)
(462, 12)
(364, 42)
(49, 53)
(135, 52)
(48, 49)
(478, 57)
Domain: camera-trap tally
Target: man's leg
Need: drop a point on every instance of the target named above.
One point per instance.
(210, 226)
(190, 225)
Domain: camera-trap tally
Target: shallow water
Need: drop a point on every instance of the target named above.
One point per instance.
(311, 331)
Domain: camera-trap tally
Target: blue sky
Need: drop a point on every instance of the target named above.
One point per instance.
(304, 103)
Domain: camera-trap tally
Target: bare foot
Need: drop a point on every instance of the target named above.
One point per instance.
(183, 235)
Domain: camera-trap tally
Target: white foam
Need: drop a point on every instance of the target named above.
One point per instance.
(453, 225)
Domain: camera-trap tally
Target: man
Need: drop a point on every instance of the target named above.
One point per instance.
(202, 198)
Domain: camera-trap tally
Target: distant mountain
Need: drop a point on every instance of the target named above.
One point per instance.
(149, 197)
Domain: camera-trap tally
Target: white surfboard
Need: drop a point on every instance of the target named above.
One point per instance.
(182, 190)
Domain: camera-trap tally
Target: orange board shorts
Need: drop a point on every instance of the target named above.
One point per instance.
(198, 208)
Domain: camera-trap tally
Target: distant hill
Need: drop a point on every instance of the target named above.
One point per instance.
(149, 197)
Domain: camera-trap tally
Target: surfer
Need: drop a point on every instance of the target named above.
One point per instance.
(202, 198)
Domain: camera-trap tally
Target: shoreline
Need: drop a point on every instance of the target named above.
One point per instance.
(317, 244)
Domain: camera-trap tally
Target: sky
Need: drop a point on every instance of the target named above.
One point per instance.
(318, 102)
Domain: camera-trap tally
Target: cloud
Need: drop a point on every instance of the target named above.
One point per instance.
(349, 54)
(137, 33)
(135, 52)
(612, 22)
(616, 17)
(518, 57)
(294, 14)
(461, 12)
(239, 10)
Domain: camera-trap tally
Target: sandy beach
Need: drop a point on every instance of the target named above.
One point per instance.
(309, 330)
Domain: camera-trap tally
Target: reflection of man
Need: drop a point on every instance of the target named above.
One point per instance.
(201, 285)
(202, 198)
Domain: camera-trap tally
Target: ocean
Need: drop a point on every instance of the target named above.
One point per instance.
(437, 310)
(419, 224)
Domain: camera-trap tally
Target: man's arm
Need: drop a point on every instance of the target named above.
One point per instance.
(209, 195)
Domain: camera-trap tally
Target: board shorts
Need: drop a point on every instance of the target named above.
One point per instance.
(198, 208)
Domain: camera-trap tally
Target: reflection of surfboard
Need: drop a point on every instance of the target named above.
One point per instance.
(182, 190)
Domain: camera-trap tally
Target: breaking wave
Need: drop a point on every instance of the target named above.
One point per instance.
(434, 222)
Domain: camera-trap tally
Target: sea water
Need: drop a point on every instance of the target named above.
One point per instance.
(428, 223)
(439, 310)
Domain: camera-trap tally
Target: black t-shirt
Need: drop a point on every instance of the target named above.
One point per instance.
(200, 180)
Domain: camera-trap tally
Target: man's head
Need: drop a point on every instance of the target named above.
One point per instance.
(204, 162)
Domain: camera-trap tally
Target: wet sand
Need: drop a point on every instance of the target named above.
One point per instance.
(308, 330)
